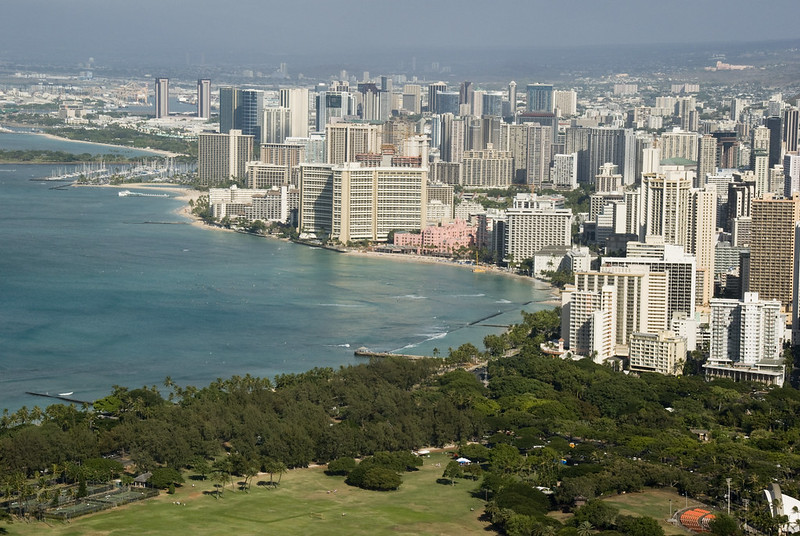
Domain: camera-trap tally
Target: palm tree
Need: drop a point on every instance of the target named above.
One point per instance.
(585, 528)
(273, 466)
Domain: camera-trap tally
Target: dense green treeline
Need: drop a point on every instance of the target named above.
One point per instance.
(129, 137)
(576, 428)
(43, 157)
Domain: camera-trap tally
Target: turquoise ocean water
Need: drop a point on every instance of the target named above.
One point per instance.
(98, 290)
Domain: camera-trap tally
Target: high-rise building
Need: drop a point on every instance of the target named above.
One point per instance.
(577, 141)
(512, 96)
(706, 158)
(540, 98)
(493, 103)
(614, 145)
(683, 216)
(296, 100)
(679, 266)
(162, 97)
(775, 126)
(662, 352)
(488, 168)
(565, 103)
(759, 158)
(564, 173)
(679, 144)
(447, 102)
(465, 92)
(772, 248)
(433, 101)
(791, 174)
(223, 157)
(276, 125)
(412, 98)
(230, 111)
(608, 179)
(791, 129)
(316, 200)
(204, 98)
(534, 223)
(345, 140)
(252, 106)
(370, 202)
(605, 308)
(332, 105)
(747, 339)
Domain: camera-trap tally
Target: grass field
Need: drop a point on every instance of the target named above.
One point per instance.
(651, 502)
(654, 503)
(304, 503)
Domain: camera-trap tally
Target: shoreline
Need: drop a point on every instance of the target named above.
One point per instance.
(155, 152)
(188, 193)
(159, 152)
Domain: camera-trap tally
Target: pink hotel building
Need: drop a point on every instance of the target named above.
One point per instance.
(437, 240)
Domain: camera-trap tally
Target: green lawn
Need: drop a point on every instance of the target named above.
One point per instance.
(304, 503)
(654, 503)
(651, 502)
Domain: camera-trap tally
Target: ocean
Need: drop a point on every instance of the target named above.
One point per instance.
(98, 290)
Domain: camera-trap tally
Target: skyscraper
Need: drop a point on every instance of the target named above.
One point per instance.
(540, 98)
(252, 105)
(204, 98)
(222, 157)
(791, 129)
(296, 100)
(433, 90)
(333, 104)
(706, 158)
(772, 248)
(512, 96)
(615, 145)
(162, 97)
(230, 113)
(466, 92)
(775, 126)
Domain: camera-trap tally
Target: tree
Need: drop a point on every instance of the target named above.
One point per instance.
(273, 466)
(381, 479)
(724, 525)
(639, 526)
(164, 477)
(584, 528)
(453, 471)
(341, 466)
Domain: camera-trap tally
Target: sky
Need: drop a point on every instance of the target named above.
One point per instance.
(155, 29)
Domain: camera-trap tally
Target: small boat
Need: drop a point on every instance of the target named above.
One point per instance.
(66, 394)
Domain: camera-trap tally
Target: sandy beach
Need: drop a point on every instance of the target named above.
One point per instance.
(186, 194)
(487, 268)
(154, 151)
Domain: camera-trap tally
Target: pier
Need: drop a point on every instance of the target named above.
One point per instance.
(60, 397)
(366, 352)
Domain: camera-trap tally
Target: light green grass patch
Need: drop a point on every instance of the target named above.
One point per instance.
(304, 503)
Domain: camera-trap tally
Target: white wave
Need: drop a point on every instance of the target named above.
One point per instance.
(470, 295)
(411, 297)
(503, 301)
(347, 305)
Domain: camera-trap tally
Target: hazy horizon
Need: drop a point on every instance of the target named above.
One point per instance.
(160, 32)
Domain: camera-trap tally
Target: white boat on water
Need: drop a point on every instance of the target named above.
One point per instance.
(128, 193)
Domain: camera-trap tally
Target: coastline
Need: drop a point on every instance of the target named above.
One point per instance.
(187, 193)
(149, 150)
(155, 152)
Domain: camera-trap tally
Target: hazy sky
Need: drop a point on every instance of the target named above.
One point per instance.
(72, 29)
